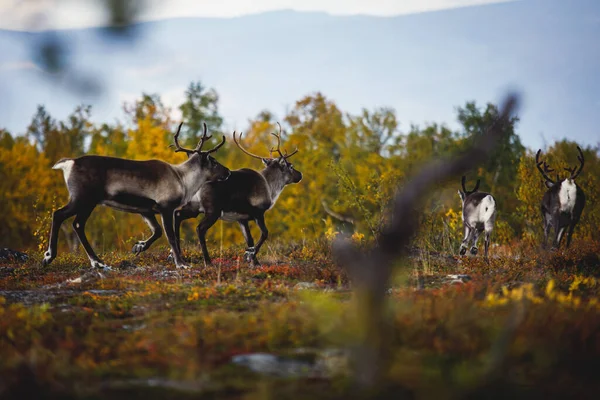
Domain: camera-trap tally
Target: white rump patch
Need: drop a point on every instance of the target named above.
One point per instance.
(484, 213)
(487, 208)
(567, 195)
(66, 166)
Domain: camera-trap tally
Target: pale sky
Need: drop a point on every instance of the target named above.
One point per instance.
(63, 14)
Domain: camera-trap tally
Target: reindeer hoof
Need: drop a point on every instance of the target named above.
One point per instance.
(170, 257)
(463, 251)
(47, 259)
(473, 250)
(249, 254)
(99, 265)
(182, 266)
(138, 248)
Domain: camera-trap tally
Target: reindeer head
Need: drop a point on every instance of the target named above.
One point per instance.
(464, 193)
(215, 171)
(573, 172)
(279, 165)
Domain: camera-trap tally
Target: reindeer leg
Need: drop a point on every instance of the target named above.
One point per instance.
(250, 250)
(556, 232)
(79, 227)
(203, 227)
(561, 232)
(167, 216)
(465, 243)
(547, 226)
(58, 217)
(487, 244)
(144, 245)
(488, 226)
(264, 234)
(181, 216)
(476, 234)
(570, 231)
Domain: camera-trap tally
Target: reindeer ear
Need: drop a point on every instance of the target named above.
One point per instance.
(461, 194)
(266, 161)
(549, 184)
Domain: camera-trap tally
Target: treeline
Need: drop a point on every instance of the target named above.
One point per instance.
(351, 166)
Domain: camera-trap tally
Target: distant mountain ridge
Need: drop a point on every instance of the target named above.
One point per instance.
(423, 65)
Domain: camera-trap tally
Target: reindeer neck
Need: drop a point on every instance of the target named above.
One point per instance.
(276, 181)
(191, 175)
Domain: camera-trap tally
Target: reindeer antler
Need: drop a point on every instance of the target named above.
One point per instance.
(178, 148)
(546, 169)
(198, 148)
(203, 139)
(462, 181)
(278, 149)
(278, 136)
(242, 149)
(575, 171)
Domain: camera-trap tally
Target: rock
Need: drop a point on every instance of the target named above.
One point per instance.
(324, 364)
(91, 276)
(333, 362)
(167, 274)
(305, 285)
(12, 255)
(133, 328)
(269, 364)
(460, 277)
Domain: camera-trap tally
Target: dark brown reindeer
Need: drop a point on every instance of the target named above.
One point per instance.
(244, 197)
(478, 215)
(144, 187)
(562, 203)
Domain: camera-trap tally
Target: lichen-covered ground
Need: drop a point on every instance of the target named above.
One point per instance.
(284, 330)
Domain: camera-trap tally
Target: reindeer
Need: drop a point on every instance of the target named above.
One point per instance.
(244, 197)
(562, 203)
(144, 187)
(478, 215)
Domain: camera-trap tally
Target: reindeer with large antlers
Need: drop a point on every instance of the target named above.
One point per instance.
(478, 215)
(244, 197)
(562, 203)
(143, 187)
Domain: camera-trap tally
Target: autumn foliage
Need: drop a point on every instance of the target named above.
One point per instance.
(351, 166)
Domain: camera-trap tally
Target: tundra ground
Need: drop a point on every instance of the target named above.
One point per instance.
(286, 329)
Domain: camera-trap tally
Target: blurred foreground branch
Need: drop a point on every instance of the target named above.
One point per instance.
(371, 272)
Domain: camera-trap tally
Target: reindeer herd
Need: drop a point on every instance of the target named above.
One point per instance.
(561, 207)
(203, 185)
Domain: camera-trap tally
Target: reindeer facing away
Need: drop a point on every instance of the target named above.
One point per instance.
(244, 197)
(478, 215)
(143, 187)
(562, 203)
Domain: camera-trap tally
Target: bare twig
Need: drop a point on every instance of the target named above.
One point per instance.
(336, 215)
